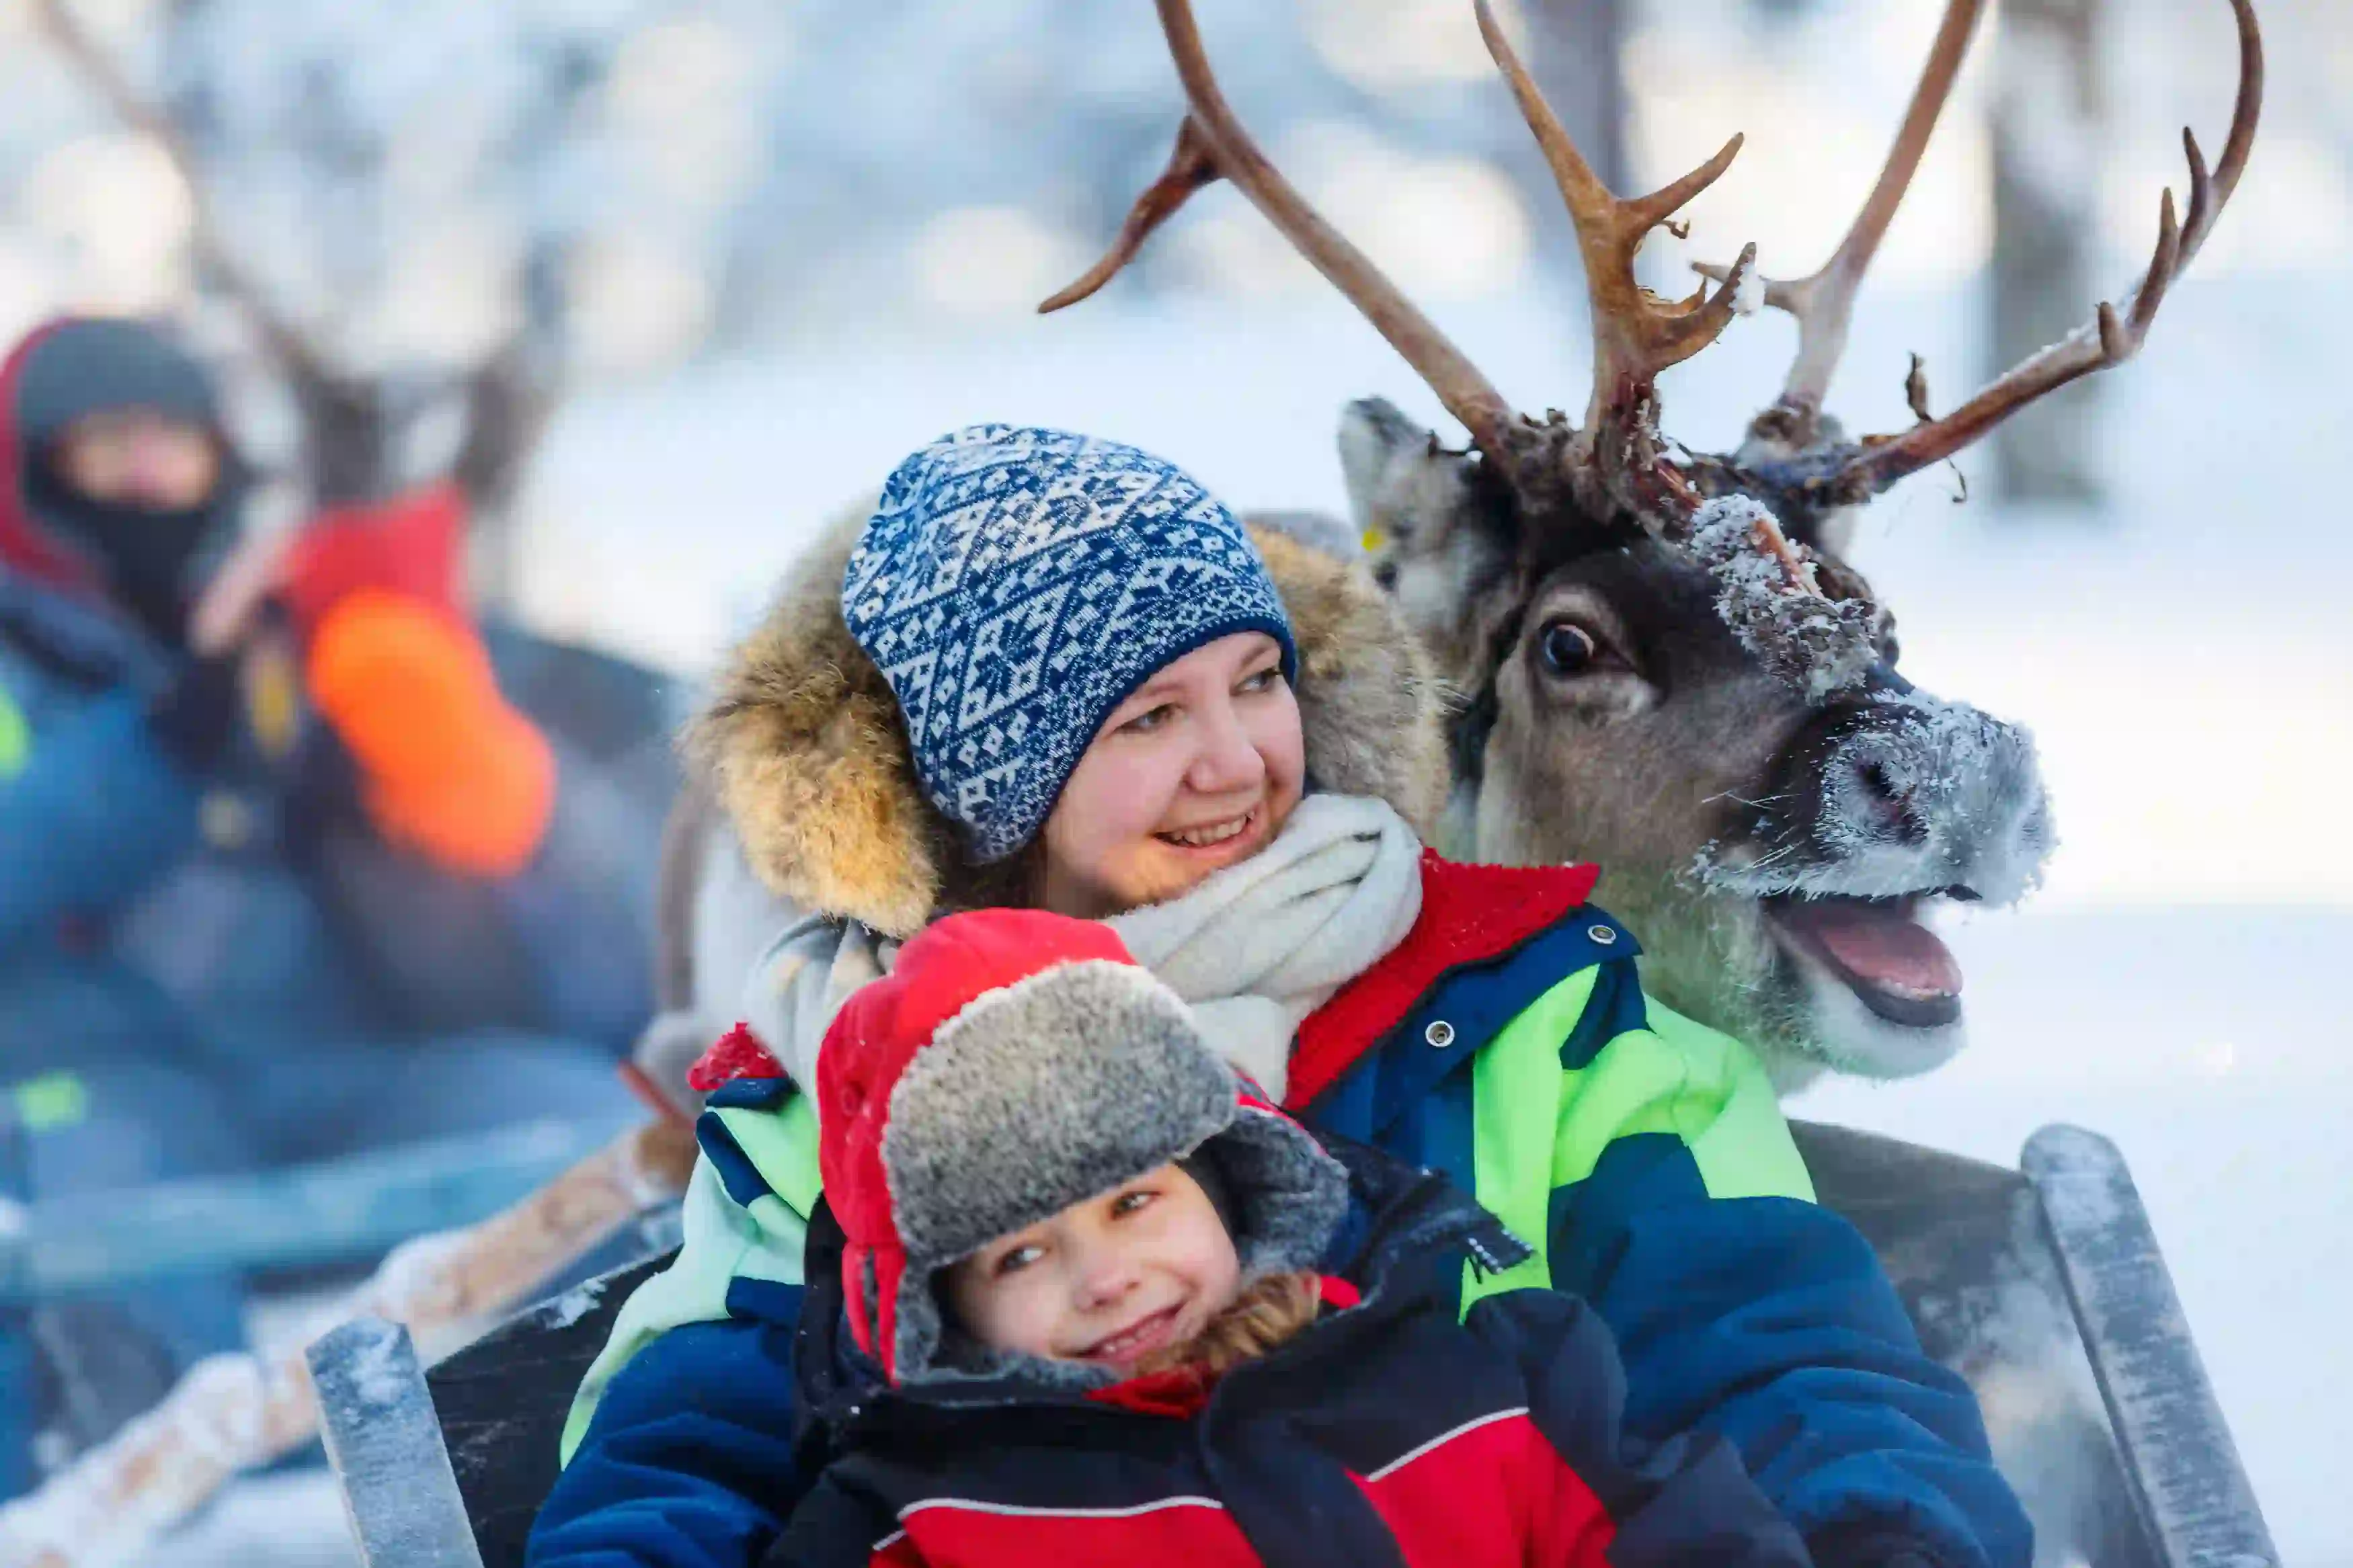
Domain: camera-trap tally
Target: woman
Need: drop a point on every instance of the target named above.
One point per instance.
(1054, 672)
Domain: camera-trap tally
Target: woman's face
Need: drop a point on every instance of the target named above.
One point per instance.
(1198, 770)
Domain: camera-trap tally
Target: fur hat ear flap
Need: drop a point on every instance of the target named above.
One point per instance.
(1284, 1197)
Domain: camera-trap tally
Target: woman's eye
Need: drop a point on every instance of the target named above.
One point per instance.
(1263, 681)
(1144, 723)
(1567, 648)
(1016, 1259)
(1128, 1202)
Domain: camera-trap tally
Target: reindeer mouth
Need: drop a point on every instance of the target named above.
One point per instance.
(1879, 950)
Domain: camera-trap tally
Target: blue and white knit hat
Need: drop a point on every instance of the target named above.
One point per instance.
(1017, 585)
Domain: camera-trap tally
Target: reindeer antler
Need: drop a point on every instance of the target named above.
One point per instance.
(1212, 143)
(1191, 166)
(1635, 333)
(1825, 303)
(2112, 336)
(1616, 461)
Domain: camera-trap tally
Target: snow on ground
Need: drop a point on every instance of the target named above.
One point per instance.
(2183, 656)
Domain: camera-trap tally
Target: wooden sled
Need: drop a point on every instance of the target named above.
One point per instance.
(2044, 1286)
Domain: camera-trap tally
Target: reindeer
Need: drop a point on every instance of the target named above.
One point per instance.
(1666, 662)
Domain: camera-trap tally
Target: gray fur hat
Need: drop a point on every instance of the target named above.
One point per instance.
(1012, 1064)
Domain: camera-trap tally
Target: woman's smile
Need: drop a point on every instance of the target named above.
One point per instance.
(1222, 833)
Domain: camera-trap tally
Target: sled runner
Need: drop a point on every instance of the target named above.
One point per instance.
(2043, 1285)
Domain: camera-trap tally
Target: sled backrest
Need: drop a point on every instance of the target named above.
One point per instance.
(503, 1400)
(1968, 1248)
(2042, 1286)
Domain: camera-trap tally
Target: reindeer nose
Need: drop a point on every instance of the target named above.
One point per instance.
(1941, 781)
(1881, 789)
(1887, 794)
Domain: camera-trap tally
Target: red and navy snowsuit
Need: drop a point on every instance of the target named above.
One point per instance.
(1387, 1433)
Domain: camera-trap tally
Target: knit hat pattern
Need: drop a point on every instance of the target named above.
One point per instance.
(1014, 1063)
(1016, 584)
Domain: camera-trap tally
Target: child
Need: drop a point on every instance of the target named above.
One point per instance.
(1066, 1307)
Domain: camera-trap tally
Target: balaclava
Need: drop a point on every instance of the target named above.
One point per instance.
(145, 560)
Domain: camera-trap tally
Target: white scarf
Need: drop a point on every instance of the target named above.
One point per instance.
(1254, 949)
(1262, 945)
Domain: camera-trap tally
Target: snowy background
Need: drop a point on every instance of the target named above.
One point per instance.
(795, 241)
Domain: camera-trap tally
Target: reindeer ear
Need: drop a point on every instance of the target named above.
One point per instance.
(1427, 528)
(1404, 491)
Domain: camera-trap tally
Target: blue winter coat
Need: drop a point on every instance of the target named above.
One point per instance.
(207, 972)
(1519, 1056)
(249, 908)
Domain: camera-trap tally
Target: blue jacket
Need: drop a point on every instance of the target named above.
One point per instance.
(211, 970)
(90, 808)
(248, 902)
(1507, 1044)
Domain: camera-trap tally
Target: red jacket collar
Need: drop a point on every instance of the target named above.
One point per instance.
(1467, 913)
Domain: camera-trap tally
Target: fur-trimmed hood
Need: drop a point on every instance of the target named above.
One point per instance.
(807, 754)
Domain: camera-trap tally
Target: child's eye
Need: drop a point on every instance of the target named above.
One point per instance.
(1018, 1258)
(1128, 1202)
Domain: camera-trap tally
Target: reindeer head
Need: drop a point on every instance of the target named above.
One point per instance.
(1669, 667)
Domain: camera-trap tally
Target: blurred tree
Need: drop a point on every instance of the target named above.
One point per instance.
(1578, 62)
(1576, 51)
(397, 199)
(2048, 116)
(973, 157)
(432, 214)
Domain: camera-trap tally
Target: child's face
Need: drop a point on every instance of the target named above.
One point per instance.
(1109, 1280)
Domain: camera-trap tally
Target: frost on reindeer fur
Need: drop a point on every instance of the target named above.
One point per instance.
(1822, 645)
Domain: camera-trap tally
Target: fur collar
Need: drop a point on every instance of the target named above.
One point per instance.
(805, 748)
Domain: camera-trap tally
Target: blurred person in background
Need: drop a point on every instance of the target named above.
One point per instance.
(283, 873)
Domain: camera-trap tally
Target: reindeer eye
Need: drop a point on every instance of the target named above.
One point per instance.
(1567, 648)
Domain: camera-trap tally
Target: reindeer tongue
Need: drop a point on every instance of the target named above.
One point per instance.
(1894, 964)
